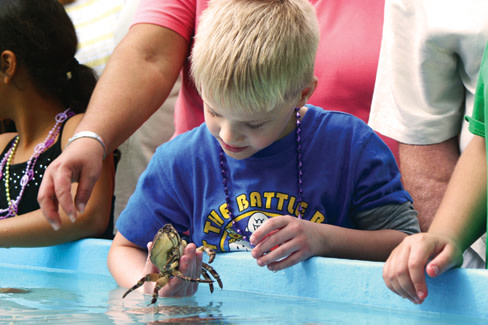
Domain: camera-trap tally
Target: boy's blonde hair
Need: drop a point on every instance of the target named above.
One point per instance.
(253, 55)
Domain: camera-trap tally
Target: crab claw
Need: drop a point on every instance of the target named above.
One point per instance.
(210, 252)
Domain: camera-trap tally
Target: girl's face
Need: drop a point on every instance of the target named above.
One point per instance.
(243, 134)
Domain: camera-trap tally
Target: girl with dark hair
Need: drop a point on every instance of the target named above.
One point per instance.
(43, 90)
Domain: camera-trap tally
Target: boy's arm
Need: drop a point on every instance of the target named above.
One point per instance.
(402, 217)
(285, 241)
(126, 261)
(371, 245)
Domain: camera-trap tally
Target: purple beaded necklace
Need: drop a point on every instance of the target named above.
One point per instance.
(13, 205)
(299, 164)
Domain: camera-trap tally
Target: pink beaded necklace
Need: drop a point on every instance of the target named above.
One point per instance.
(299, 166)
(13, 205)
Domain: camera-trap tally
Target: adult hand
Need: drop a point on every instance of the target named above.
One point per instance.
(404, 273)
(190, 265)
(282, 242)
(81, 162)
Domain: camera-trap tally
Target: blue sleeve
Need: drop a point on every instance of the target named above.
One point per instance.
(158, 199)
(378, 177)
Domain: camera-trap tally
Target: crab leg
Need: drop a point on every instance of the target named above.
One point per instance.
(188, 279)
(210, 252)
(151, 277)
(159, 284)
(214, 273)
(207, 277)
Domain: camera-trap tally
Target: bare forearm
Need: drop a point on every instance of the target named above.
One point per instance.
(33, 230)
(137, 79)
(462, 213)
(371, 245)
(126, 262)
(426, 171)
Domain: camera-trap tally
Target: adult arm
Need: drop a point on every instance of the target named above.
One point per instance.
(459, 221)
(138, 78)
(426, 170)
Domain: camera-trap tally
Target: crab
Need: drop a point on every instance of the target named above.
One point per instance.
(165, 254)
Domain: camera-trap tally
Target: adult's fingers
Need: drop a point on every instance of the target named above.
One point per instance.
(79, 163)
(90, 173)
(55, 191)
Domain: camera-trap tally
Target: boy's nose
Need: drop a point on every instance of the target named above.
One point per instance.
(229, 135)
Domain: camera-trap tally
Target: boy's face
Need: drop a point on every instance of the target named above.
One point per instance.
(243, 134)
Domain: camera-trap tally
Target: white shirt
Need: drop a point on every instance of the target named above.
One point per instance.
(95, 22)
(428, 68)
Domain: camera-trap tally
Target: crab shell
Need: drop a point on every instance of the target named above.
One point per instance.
(167, 247)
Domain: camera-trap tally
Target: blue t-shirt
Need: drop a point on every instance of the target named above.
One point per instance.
(347, 169)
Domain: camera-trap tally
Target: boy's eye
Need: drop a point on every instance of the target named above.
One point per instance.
(255, 126)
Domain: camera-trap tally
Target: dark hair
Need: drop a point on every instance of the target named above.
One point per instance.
(7, 126)
(43, 38)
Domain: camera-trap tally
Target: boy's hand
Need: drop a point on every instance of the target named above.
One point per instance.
(404, 271)
(190, 265)
(282, 242)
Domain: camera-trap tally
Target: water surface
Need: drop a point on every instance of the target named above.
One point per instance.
(61, 297)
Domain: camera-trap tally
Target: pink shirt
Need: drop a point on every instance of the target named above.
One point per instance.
(346, 65)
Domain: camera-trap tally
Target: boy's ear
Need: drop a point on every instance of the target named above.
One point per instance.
(8, 65)
(308, 91)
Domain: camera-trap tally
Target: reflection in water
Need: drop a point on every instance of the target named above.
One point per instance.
(134, 309)
(182, 313)
(175, 310)
(13, 290)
